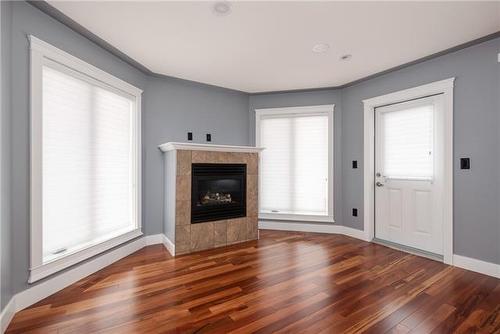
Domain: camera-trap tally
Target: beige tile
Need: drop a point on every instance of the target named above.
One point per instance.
(204, 157)
(182, 212)
(252, 207)
(252, 195)
(182, 239)
(253, 164)
(252, 228)
(220, 233)
(183, 162)
(238, 158)
(236, 230)
(202, 236)
(198, 156)
(183, 188)
(223, 157)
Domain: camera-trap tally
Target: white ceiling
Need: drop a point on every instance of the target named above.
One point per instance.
(266, 46)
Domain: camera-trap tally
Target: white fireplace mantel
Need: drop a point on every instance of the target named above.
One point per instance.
(171, 146)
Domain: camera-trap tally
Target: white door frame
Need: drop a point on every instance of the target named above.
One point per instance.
(444, 87)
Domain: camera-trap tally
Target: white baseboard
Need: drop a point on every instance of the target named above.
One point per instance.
(169, 245)
(50, 286)
(7, 314)
(312, 227)
(482, 267)
(154, 239)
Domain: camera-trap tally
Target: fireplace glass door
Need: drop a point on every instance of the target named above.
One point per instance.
(218, 191)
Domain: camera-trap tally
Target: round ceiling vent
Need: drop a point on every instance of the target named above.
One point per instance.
(320, 48)
(222, 8)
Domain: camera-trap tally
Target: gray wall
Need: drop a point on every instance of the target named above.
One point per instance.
(174, 107)
(170, 108)
(5, 219)
(476, 135)
(308, 98)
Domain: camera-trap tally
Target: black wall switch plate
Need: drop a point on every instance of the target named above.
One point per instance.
(209, 137)
(354, 164)
(464, 163)
(190, 136)
(354, 212)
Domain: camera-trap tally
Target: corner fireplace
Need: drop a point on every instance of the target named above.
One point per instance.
(218, 191)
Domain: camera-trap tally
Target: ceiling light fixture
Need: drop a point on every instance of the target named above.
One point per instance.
(320, 48)
(346, 57)
(222, 8)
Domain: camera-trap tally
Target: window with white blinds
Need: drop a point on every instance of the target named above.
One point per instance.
(407, 142)
(295, 170)
(85, 156)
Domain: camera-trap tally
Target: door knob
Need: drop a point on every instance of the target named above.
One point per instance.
(379, 184)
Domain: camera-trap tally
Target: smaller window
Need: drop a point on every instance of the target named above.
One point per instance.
(407, 141)
(296, 170)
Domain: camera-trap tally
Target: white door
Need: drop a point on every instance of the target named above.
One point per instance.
(409, 173)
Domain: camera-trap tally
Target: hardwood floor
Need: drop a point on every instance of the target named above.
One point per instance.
(287, 282)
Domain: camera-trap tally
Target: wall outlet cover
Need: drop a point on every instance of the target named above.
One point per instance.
(464, 163)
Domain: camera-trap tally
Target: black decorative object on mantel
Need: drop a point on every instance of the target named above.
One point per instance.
(218, 191)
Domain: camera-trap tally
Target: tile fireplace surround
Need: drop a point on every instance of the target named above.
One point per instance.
(186, 236)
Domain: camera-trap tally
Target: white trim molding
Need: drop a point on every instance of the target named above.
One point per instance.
(169, 245)
(49, 51)
(444, 87)
(479, 266)
(43, 54)
(37, 273)
(171, 146)
(7, 314)
(325, 109)
(312, 227)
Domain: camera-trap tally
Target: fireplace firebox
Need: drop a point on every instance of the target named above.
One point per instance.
(218, 191)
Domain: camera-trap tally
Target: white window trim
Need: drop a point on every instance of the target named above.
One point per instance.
(328, 108)
(444, 87)
(41, 53)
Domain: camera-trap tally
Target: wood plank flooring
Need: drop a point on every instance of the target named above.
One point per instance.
(287, 282)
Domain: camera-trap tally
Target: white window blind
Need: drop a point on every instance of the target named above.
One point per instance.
(408, 142)
(294, 173)
(87, 165)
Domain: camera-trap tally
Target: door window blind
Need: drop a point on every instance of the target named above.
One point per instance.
(87, 164)
(407, 142)
(294, 164)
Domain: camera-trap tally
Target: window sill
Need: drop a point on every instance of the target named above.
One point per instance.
(47, 269)
(295, 217)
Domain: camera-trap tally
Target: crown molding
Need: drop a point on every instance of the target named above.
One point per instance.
(56, 14)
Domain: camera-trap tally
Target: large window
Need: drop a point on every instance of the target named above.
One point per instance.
(296, 173)
(85, 160)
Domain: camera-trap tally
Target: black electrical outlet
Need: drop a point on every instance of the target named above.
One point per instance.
(354, 164)
(354, 212)
(190, 136)
(464, 163)
(209, 137)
